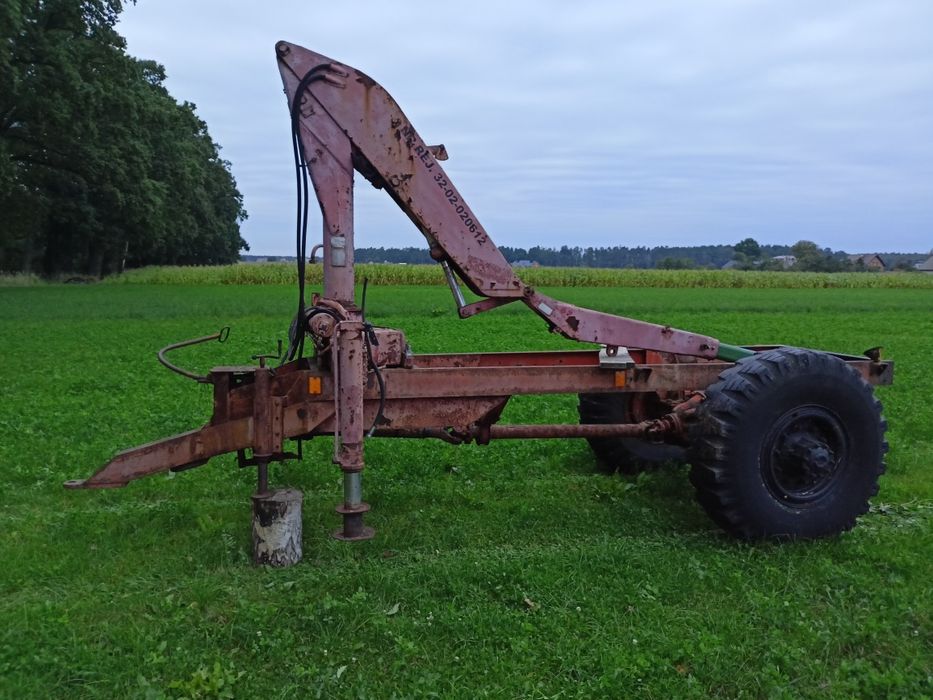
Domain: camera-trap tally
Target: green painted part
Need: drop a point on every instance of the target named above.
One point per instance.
(732, 353)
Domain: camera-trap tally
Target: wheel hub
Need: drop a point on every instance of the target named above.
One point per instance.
(813, 453)
(803, 454)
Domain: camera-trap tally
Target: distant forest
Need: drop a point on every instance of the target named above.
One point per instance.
(575, 256)
(746, 254)
(100, 167)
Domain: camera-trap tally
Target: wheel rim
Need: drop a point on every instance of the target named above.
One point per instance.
(805, 453)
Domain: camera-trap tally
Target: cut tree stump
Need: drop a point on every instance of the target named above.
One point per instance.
(277, 528)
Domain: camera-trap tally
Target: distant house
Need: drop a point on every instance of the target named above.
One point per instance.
(927, 265)
(786, 260)
(869, 261)
(525, 263)
(731, 265)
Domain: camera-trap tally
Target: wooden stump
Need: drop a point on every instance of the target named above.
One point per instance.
(277, 528)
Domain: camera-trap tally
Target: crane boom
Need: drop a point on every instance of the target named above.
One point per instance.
(348, 122)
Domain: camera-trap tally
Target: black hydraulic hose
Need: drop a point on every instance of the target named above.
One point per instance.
(380, 413)
(296, 344)
(369, 335)
(296, 349)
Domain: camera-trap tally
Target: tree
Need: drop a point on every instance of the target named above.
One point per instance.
(747, 255)
(98, 164)
(809, 257)
(670, 263)
(748, 248)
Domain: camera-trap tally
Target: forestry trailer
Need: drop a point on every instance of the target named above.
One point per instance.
(783, 442)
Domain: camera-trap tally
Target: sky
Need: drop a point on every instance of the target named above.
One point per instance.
(592, 123)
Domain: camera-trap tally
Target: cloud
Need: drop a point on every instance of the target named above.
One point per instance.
(595, 123)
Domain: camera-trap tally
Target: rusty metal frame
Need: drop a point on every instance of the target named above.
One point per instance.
(441, 396)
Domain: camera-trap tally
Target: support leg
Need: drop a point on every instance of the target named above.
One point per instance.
(352, 510)
(262, 477)
(351, 371)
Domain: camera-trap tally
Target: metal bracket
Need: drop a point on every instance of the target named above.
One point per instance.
(452, 283)
(262, 357)
(612, 357)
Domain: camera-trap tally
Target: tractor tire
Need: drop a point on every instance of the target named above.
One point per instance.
(789, 444)
(623, 455)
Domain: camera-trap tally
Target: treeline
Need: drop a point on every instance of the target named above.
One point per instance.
(638, 257)
(99, 166)
(747, 254)
(575, 256)
(410, 256)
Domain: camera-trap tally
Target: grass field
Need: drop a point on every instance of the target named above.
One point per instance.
(511, 570)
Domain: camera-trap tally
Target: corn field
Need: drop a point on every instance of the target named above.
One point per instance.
(386, 274)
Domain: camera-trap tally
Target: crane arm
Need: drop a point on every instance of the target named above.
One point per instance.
(348, 122)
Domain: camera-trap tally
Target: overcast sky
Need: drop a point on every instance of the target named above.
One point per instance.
(593, 123)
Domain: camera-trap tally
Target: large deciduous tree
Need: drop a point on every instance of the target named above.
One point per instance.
(98, 163)
(749, 248)
(811, 258)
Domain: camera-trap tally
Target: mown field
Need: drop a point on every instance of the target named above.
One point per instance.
(512, 570)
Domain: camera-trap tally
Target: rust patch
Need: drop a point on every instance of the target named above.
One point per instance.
(364, 79)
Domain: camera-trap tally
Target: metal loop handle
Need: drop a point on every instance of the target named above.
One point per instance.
(221, 336)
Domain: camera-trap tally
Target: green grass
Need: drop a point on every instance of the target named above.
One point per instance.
(19, 279)
(384, 274)
(510, 570)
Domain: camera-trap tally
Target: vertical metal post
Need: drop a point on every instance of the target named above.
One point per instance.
(333, 184)
(350, 429)
(263, 439)
(262, 477)
(276, 514)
